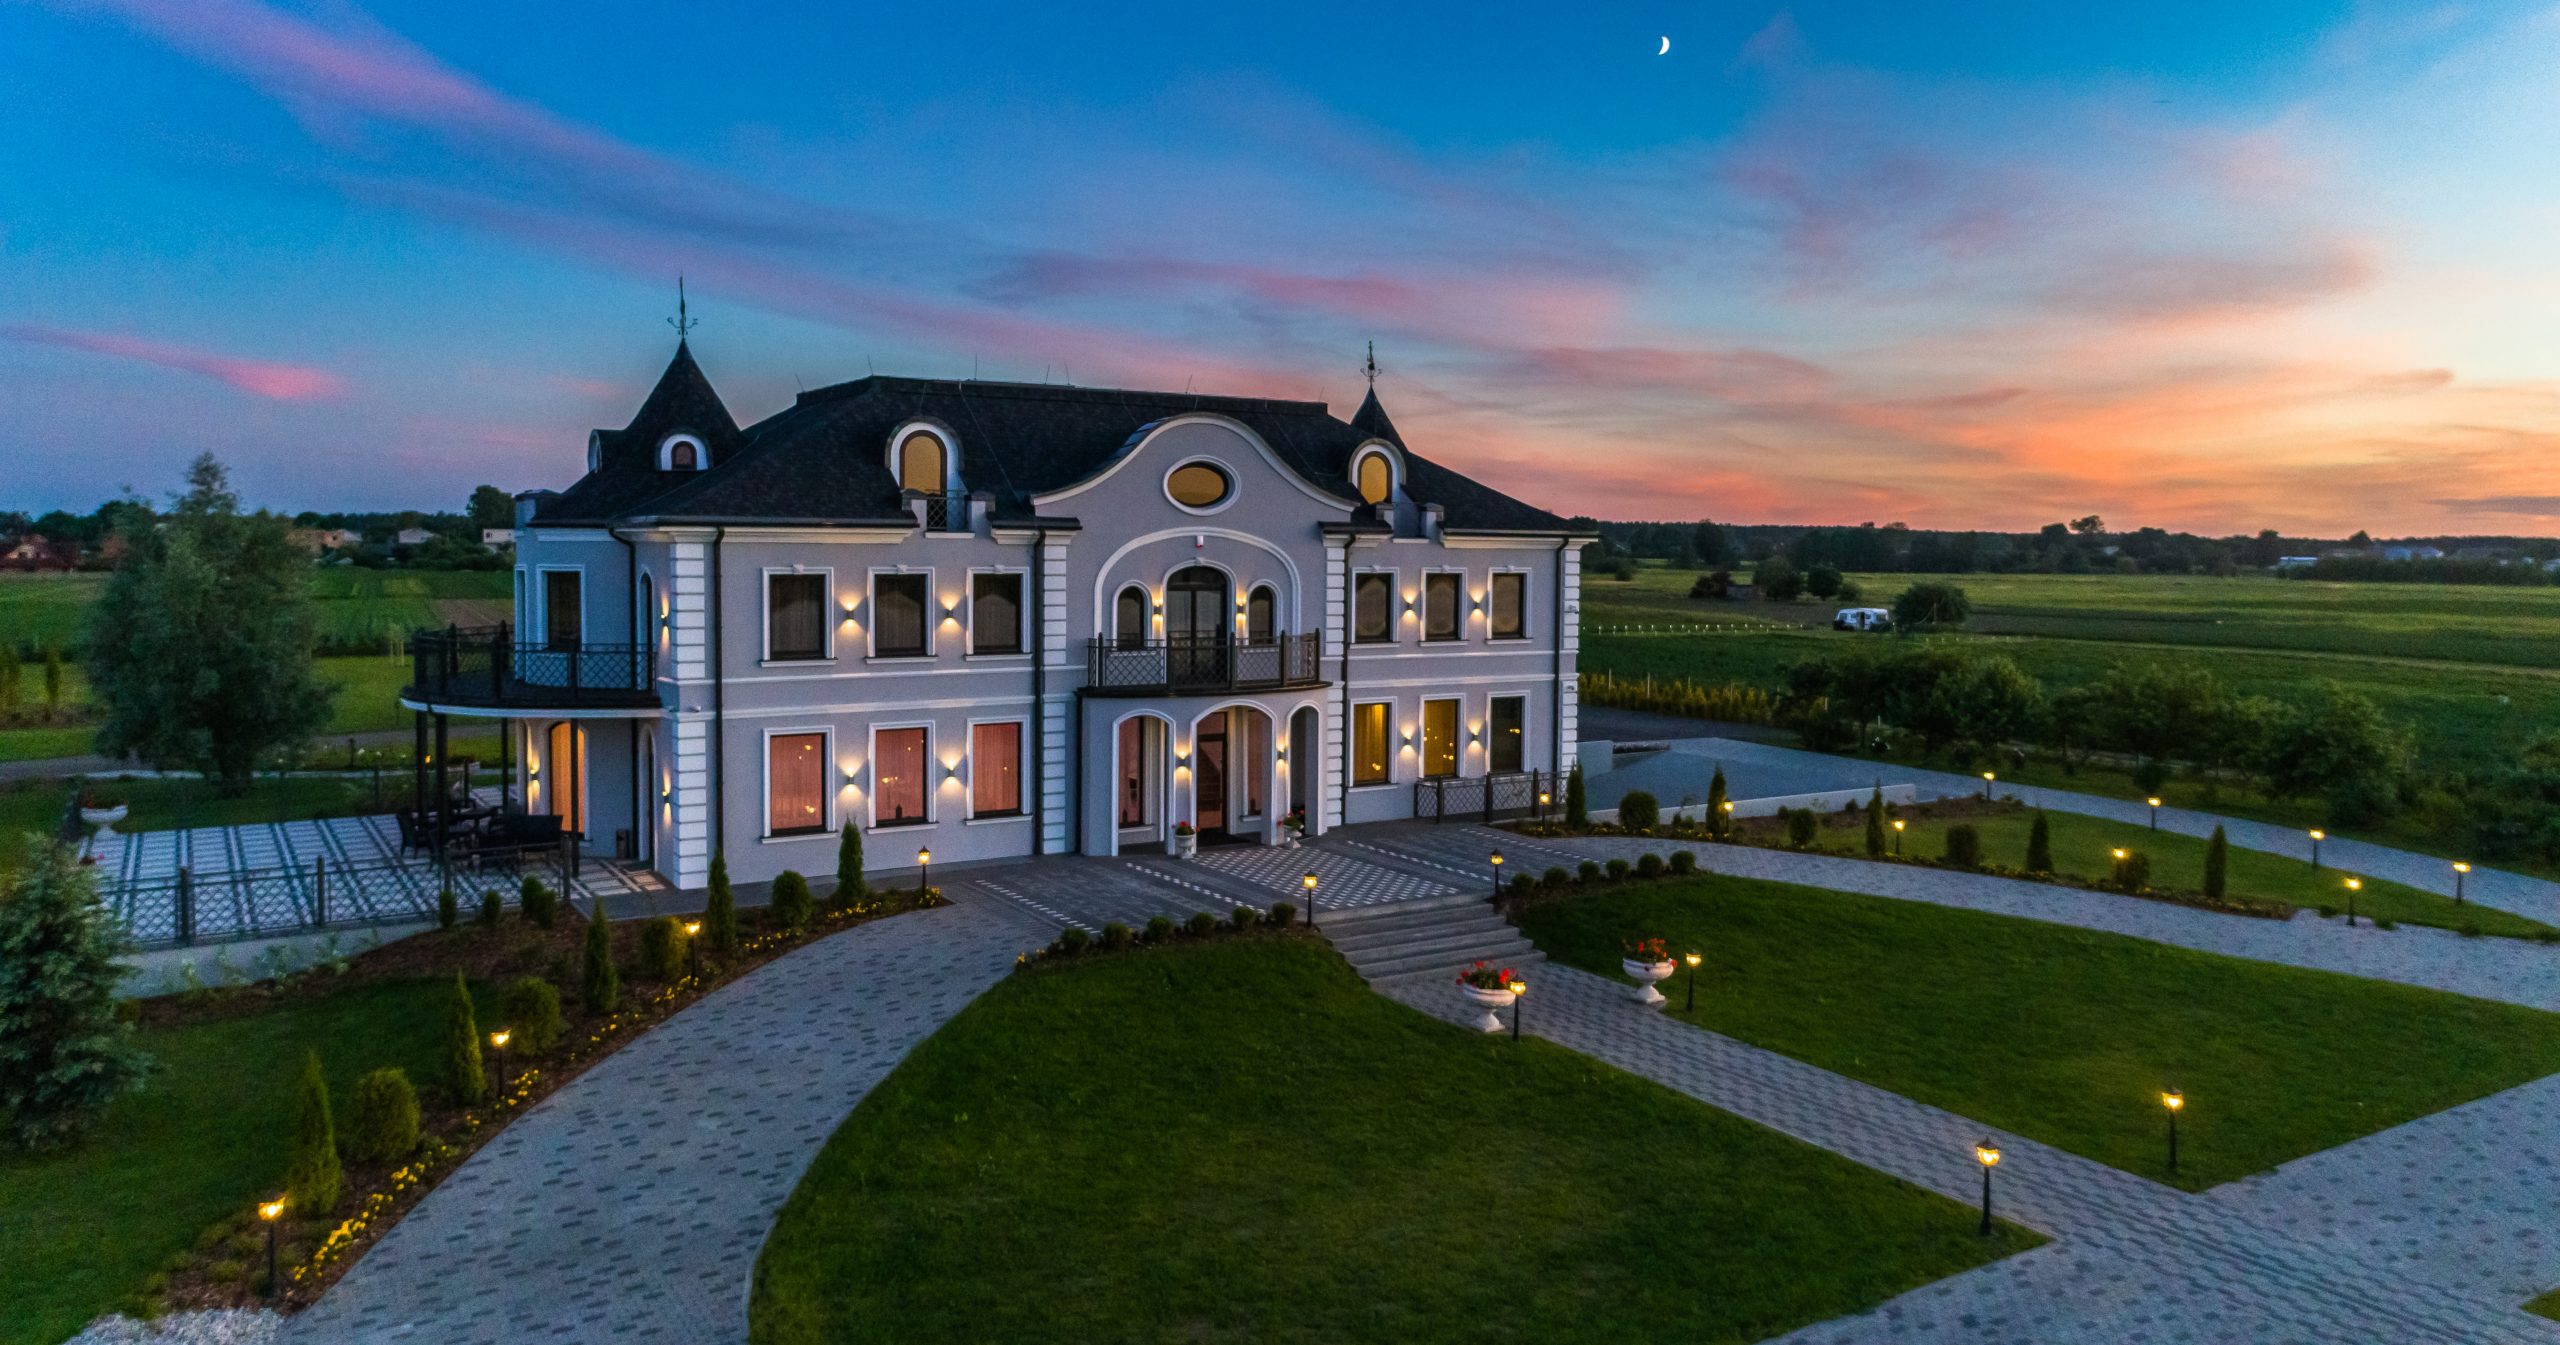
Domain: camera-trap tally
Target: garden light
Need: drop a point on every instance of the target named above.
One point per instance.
(1497, 875)
(1988, 1155)
(268, 1212)
(1310, 883)
(2175, 1102)
(498, 1046)
(924, 871)
(1693, 960)
(2461, 870)
(2317, 836)
(1519, 996)
(693, 947)
(1898, 825)
(2354, 885)
(2154, 801)
(1987, 778)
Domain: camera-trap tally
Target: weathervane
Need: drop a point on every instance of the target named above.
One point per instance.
(680, 321)
(1372, 366)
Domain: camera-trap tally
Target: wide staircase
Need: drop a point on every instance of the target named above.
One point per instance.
(1426, 937)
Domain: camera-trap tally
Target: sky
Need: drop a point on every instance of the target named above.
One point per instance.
(2196, 265)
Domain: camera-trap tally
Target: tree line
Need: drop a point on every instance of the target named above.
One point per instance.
(2085, 545)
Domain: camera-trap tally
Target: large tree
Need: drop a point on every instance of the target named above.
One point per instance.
(64, 1054)
(492, 508)
(200, 650)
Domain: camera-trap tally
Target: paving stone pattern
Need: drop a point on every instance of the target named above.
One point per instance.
(631, 1205)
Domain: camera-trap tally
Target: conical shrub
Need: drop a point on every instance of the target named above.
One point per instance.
(851, 886)
(314, 1176)
(600, 984)
(2217, 864)
(463, 1076)
(2040, 845)
(720, 911)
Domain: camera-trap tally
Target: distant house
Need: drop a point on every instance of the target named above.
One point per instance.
(412, 537)
(2405, 551)
(493, 538)
(318, 540)
(2296, 562)
(39, 553)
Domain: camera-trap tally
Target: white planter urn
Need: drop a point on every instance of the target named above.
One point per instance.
(1184, 847)
(1489, 1001)
(104, 819)
(1646, 974)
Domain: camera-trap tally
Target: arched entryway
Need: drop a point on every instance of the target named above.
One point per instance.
(1232, 776)
(1304, 754)
(1141, 776)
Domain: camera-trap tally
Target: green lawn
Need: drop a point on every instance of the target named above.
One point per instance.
(350, 607)
(2064, 1035)
(82, 1229)
(2083, 848)
(43, 609)
(1240, 1142)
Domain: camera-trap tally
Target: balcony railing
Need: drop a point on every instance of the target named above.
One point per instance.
(1136, 667)
(487, 666)
(944, 512)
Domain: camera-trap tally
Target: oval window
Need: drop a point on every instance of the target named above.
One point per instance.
(1198, 485)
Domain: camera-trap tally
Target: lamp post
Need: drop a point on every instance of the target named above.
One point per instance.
(498, 1047)
(2354, 885)
(924, 871)
(693, 947)
(1544, 798)
(1519, 996)
(1310, 883)
(2317, 836)
(2461, 870)
(1726, 822)
(1690, 1004)
(2175, 1102)
(1497, 875)
(2154, 801)
(1987, 778)
(1898, 825)
(268, 1212)
(1988, 1155)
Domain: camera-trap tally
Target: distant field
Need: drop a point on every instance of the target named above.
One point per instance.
(46, 609)
(355, 609)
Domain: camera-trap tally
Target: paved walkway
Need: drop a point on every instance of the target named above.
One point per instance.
(631, 1205)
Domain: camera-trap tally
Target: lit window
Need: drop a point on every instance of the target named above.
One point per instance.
(1376, 478)
(796, 797)
(995, 614)
(920, 463)
(1369, 743)
(1440, 606)
(995, 770)
(1439, 738)
(1198, 485)
(898, 777)
(1510, 607)
(1373, 608)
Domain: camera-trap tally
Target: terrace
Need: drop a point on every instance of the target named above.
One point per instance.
(489, 669)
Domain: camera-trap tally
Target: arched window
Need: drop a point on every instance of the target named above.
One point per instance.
(1260, 608)
(1129, 621)
(681, 453)
(1376, 478)
(920, 463)
(1195, 606)
(680, 456)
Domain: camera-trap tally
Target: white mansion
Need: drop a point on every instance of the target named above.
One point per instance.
(1004, 619)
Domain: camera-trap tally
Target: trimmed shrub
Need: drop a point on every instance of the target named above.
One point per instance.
(1243, 917)
(1719, 821)
(382, 1122)
(530, 1007)
(1649, 864)
(313, 1177)
(1875, 824)
(1283, 914)
(1577, 809)
(1802, 827)
(850, 884)
(492, 906)
(599, 981)
(2129, 871)
(1964, 846)
(463, 1076)
(1617, 869)
(1522, 885)
(720, 909)
(448, 909)
(662, 949)
(1116, 936)
(1587, 870)
(792, 904)
(2217, 864)
(1639, 811)
(1160, 929)
(1684, 861)
(538, 903)
(1555, 876)
(1073, 939)
(2040, 845)
(1203, 924)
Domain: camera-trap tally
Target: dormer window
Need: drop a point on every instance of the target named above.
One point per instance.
(682, 453)
(1375, 475)
(924, 463)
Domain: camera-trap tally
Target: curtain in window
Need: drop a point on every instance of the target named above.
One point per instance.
(995, 769)
(1373, 606)
(995, 614)
(897, 614)
(1440, 606)
(1510, 606)
(1369, 743)
(1136, 795)
(796, 797)
(898, 776)
(795, 615)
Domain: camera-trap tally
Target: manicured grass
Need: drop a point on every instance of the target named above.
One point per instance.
(82, 1229)
(2083, 846)
(37, 744)
(350, 607)
(1239, 1142)
(42, 609)
(2064, 1035)
(2545, 1305)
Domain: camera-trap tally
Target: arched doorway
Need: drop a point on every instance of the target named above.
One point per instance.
(1140, 782)
(1304, 762)
(1196, 625)
(1232, 776)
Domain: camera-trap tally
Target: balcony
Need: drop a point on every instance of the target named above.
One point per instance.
(1198, 667)
(488, 668)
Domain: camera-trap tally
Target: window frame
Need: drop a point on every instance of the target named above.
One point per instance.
(1455, 579)
(1389, 576)
(932, 785)
(1235, 487)
(950, 457)
(1271, 624)
(1457, 738)
(871, 600)
(1387, 742)
(1492, 734)
(542, 590)
(826, 577)
(683, 439)
(1121, 639)
(827, 788)
(1393, 475)
(1493, 579)
(1021, 599)
(1021, 782)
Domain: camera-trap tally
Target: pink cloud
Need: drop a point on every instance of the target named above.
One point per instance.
(262, 378)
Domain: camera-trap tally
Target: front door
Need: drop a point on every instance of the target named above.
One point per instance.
(563, 610)
(1195, 626)
(1212, 778)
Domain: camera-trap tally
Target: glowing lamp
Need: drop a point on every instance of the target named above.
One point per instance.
(1987, 1154)
(2173, 1099)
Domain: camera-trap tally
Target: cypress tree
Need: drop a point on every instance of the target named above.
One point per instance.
(313, 1178)
(720, 913)
(1875, 824)
(52, 680)
(2217, 861)
(463, 1076)
(1719, 822)
(2040, 845)
(850, 885)
(64, 1054)
(601, 986)
(1577, 809)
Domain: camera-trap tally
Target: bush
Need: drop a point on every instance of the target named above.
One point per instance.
(530, 1009)
(382, 1124)
(1802, 827)
(1116, 936)
(2150, 774)
(2130, 871)
(1684, 861)
(1283, 914)
(1522, 885)
(1555, 876)
(492, 906)
(720, 909)
(1964, 846)
(538, 903)
(2217, 863)
(791, 903)
(2040, 845)
(1719, 819)
(662, 949)
(313, 1178)
(850, 884)
(1617, 869)
(1243, 917)
(1577, 807)
(599, 981)
(1160, 929)
(1649, 864)
(1203, 924)
(66, 1049)
(1639, 811)
(1587, 870)
(1073, 939)
(463, 1077)
(1929, 604)
(448, 909)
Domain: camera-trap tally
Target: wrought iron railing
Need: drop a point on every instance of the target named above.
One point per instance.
(1203, 665)
(488, 666)
(948, 512)
(1484, 797)
(186, 907)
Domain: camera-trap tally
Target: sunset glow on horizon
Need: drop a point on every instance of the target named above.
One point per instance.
(1820, 264)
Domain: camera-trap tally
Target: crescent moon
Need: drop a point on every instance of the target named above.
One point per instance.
(1666, 48)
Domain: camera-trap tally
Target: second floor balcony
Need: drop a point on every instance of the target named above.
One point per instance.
(1116, 667)
(487, 667)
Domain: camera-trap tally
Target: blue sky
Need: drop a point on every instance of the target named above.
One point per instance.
(2206, 266)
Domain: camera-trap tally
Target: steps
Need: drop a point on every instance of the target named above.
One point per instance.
(1431, 937)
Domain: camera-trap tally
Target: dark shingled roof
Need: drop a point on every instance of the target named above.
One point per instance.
(825, 458)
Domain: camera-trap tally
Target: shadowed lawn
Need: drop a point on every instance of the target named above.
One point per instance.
(2059, 1034)
(80, 1230)
(1240, 1142)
